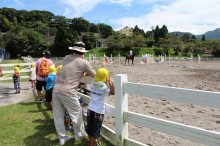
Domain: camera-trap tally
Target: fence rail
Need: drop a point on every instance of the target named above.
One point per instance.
(27, 69)
(123, 116)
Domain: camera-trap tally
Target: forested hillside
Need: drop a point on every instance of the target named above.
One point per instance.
(32, 32)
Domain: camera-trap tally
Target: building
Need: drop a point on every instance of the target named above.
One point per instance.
(208, 52)
(2, 54)
(101, 43)
(127, 31)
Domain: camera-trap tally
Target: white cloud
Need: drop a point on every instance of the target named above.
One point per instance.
(76, 8)
(122, 2)
(19, 3)
(193, 16)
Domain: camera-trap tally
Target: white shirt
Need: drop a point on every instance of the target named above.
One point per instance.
(98, 91)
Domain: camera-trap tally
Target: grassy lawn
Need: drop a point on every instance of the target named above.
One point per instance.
(32, 124)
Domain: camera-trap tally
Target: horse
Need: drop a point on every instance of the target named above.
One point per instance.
(130, 57)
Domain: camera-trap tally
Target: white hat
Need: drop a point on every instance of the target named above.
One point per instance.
(79, 46)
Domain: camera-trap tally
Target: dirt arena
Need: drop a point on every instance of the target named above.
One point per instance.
(181, 74)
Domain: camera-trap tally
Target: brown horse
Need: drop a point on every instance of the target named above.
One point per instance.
(130, 57)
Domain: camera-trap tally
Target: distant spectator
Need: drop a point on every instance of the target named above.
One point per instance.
(16, 80)
(32, 76)
(42, 70)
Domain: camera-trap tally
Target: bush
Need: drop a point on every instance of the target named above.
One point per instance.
(158, 51)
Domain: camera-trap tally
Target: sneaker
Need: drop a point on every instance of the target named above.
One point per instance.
(39, 101)
(64, 140)
(45, 101)
(81, 136)
(69, 128)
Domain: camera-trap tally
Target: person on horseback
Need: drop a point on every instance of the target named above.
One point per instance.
(130, 53)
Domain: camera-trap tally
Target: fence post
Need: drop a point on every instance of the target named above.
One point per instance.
(121, 105)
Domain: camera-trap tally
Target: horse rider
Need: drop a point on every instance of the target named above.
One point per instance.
(130, 53)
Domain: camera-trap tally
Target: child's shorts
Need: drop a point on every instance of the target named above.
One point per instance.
(40, 84)
(49, 95)
(16, 85)
(94, 123)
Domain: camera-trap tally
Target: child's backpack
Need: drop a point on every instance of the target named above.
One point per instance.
(44, 68)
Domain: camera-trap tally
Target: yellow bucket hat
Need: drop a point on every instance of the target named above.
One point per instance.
(59, 69)
(16, 69)
(52, 69)
(16, 65)
(32, 65)
(101, 75)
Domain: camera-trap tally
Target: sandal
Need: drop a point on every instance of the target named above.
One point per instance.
(97, 142)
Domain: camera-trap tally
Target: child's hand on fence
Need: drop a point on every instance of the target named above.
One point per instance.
(109, 80)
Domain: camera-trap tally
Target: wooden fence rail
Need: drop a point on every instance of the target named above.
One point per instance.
(123, 116)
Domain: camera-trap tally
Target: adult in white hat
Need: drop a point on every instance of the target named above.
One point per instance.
(65, 93)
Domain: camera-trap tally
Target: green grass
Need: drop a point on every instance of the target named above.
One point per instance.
(32, 124)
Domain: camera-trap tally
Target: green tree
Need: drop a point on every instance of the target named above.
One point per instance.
(63, 40)
(203, 38)
(89, 39)
(138, 31)
(156, 32)
(80, 25)
(171, 51)
(9, 13)
(187, 37)
(93, 28)
(163, 31)
(114, 42)
(171, 41)
(138, 41)
(23, 41)
(105, 30)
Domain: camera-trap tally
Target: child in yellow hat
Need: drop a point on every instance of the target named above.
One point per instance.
(16, 80)
(96, 108)
(49, 84)
(32, 76)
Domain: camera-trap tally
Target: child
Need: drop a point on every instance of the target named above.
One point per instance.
(32, 76)
(96, 108)
(66, 116)
(49, 84)
(16, 79)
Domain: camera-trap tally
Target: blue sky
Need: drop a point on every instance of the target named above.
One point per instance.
(195, 16)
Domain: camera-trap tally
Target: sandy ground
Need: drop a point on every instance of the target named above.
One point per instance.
(182, 74)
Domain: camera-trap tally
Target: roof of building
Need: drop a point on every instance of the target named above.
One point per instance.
(208, 50)
(101, 40)
(48, 39)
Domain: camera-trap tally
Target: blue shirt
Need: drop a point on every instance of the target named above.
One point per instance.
(50, 81)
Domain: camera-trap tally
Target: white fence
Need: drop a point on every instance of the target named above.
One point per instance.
(123, 116)
(9, 72)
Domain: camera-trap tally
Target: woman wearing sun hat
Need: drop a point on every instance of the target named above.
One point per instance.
(65, 93)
